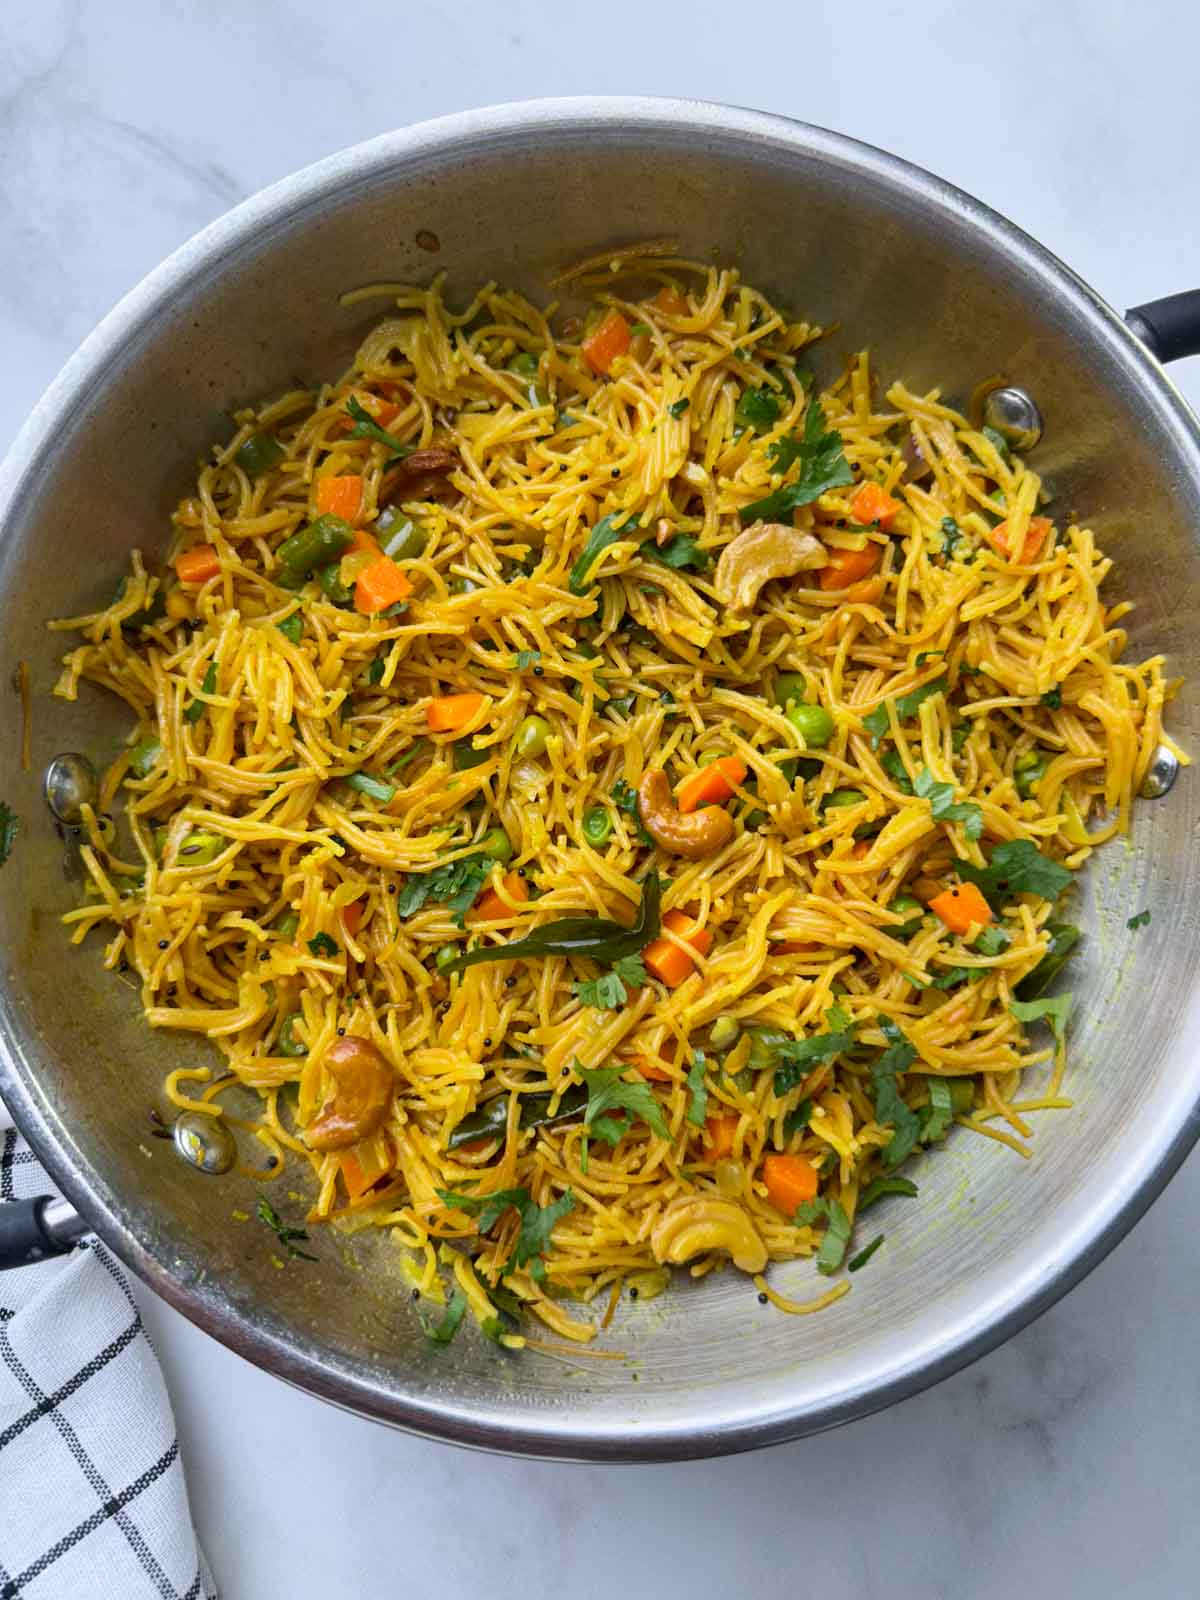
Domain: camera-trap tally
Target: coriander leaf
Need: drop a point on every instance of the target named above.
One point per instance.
(940, 1110)
(944, 807)
(365, 427)
(757, 409)
(489, 1208)
(524, 659)
(698, 1105)
(1064, 936)
(798, 1119)
(837, 1230)
(455, 884)
(863, 1256)
(606, 532)
(909, 704)
(322, 945)
(9, 825)
(605, 993)
(267, 1213)
(537, 1222)
(837, 1020)
(678, 408)
(893, 764)
(992, 940)
(375, 671)
(998, 442)
(1053, 698)
(681, 550)
(822, 466)
(797, 1056)
(890, 1106)
(927, 655)
(876, 723)
(624, 797)
(607, 1091)
(631, 970)
(1142, 920)
(952, 536)
(194, 710)
(878, 1187)
(442, 1332)
(1055, 1011)
(292, 628)
(1015, 867)
(956, 975)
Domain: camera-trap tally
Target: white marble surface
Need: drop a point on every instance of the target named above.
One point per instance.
(1064, 1463)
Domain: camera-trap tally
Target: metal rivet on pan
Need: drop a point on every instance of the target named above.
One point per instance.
(70, 784)
(204, 1142)
(1014, 415)
(1160, 775)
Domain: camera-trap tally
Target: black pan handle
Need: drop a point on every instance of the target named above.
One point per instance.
(1169, 328)
(31, 1230)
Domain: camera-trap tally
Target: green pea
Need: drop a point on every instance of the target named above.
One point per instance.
(259, 454)
(962, 1094)
(287, 1043)
(789, 687)
(143, 758)
(288, 925)
(723, 1033)
(447, 954)
(496, 845)
(531, 737)
(199, 848)
(905, 905)
(844, 797)
(403, 541)
(812, 723)
(764, 1047)
(597, 826)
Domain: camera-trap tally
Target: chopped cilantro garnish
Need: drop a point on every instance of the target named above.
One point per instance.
(194, 710)
(798, 1119)
(9, 824)
(890, 1106)
(698, 1104)
(939, 1113)
(524, 659)
(292, 627)
(606, 532)
(1015, 867)
(608, 1092)
(322, 945)
(945, 808)
(907, 705)
(537, 1222)
(455, 884)
(1141, 920)
(992, 940)
(1053, 698)
(365, 427)
(286, 1236)
(678, 408)
(822, 466)
(606, 993)
(837, 1230)
(757, 409)
(1055, 1011)
(681, 550)
(863, 1256)
(443, 1331)
(878, 1187)
(797, 1056)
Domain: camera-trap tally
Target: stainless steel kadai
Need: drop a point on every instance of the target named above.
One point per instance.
(944, 292)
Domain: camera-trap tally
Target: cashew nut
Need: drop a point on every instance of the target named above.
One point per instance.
(694, 834)
(764, 551)
(692, 1226)
(363, 1090)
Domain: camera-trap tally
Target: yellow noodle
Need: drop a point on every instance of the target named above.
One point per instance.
(244, 850)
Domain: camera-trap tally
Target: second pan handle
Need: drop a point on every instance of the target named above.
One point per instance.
(1169, 328)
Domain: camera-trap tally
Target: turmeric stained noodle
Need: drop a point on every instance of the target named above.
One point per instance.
(427, 631)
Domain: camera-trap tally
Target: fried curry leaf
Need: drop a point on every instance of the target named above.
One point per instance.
(597, 937)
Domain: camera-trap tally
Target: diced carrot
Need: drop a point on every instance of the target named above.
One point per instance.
(364, 1163)
(721, 1130)
(352, 916)
(340, 497)
(667, 961)
(866, 592)
(377, 408)
(847, 566)
(862, 848)
(670, 300)
(198, 564)
(379, 586)
(1035, 536)
(792, 947)
(790, 1181)
(610, 339)
(870, 503)
(711, 785)
(489, 906)
(961, 906)
(649, 1068)
(446, 713)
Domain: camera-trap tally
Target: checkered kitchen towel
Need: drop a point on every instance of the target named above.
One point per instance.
(93, 1504)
